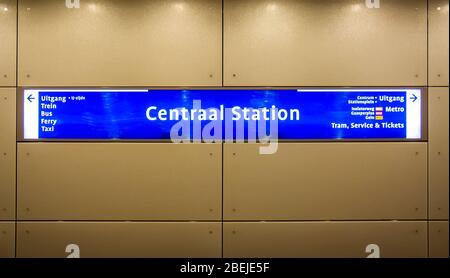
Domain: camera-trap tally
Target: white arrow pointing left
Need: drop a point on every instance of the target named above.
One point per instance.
(31, 114)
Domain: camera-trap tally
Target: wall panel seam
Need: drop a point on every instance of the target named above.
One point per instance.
(17, 84)
(428, 131)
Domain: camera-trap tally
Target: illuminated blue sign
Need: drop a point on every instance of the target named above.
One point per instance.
(285, 114)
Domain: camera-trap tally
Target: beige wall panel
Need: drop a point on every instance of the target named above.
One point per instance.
(119, 239)
(7, 238)
(326, 181)
(439, 152)
(325, 43)
(438, 239)
(7, 153)
(8, 31)
(438, 42)
(116, 43)
(119, 181)
(324, 239)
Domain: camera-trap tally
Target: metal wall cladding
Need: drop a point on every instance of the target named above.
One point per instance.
(8, 32)
(438, 152)
(119, 181)
(438, 42)
(7, 153)
(119, 239)
(120, 43)
(266, 43)
(438, 239)
(324, 239)
(326, 181)
(325, 43)
(7, 239)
